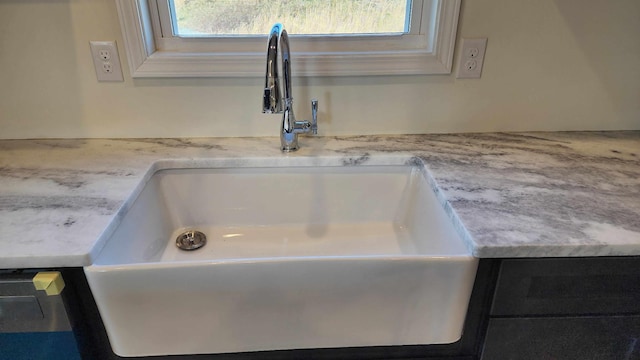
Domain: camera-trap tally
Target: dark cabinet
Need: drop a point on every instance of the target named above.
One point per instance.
(577, 286)
(588, 337)
(33, 324)
(578, 308)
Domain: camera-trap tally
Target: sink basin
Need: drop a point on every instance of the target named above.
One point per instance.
(338, 254)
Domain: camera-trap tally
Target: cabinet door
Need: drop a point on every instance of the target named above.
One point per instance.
(33, 325)
(601, 338)
(576, 286)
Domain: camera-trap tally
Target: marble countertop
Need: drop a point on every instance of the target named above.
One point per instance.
(517, 195)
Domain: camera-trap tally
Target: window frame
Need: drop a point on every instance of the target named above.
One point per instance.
(427, 51)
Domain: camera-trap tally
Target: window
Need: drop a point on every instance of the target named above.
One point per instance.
(198, 18)
(161, 42)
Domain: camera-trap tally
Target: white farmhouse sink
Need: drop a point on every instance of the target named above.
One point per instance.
(296, 257)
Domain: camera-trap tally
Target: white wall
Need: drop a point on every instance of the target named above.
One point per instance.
(550, 65)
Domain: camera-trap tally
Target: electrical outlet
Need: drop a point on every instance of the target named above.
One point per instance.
(471, 58)
(106, 60)
(105, 55)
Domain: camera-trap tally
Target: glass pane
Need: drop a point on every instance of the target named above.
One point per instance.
(255, 17)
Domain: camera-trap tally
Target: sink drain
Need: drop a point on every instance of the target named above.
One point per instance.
(191, 240)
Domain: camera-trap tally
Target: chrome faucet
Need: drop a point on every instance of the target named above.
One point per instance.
(273, 98)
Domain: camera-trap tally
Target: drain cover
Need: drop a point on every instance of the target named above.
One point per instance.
(191, 240)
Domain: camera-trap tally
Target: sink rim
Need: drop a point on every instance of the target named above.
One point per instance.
(269, 260)
(365, 160)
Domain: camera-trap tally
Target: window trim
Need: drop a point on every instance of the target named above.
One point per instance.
(146, 60)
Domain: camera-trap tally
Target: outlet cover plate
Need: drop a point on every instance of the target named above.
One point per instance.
(471, 58)
(106, 60)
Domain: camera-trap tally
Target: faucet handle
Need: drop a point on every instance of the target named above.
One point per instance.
(314, 116)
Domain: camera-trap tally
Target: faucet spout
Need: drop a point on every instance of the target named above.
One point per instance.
(272, 93)
(276, 100)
